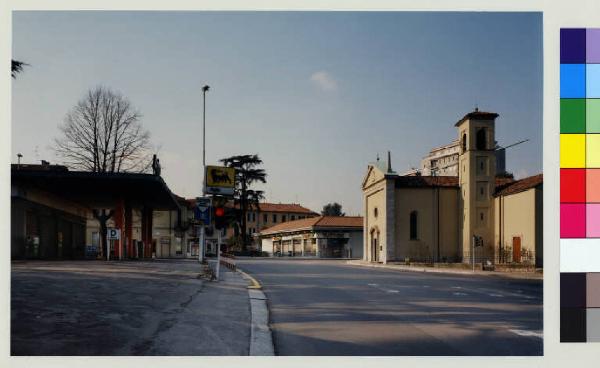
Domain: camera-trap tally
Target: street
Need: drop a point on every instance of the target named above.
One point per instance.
(126, 308)
(321, 307)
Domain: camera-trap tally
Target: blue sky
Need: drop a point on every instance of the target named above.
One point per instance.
(316, 94)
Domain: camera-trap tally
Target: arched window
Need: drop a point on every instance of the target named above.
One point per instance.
(413, 225)
(464, 142)
(480, 144)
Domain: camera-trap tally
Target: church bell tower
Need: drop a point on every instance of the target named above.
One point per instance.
(477, 180)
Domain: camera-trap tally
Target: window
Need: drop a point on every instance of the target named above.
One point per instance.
(375, 212)
(292, 217)
(265, 218)
(274, 218)
(480, 139)
(464, 142)
(253, 216)
(413, 225)
(283, 218)
(249, 216)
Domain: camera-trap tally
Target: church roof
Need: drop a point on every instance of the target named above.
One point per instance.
(519, 185)
(504, 186)
(426, 181)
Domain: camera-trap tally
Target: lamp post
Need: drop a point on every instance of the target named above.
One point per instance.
(201, 246)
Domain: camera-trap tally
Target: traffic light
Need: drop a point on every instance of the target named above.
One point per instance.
(219, 216)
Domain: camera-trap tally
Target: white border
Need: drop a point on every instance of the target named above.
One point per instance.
(556, 14)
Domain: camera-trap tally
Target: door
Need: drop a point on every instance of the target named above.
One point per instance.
(374, 246)
(516, 249)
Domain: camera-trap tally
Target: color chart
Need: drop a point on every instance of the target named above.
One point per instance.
(580, 185)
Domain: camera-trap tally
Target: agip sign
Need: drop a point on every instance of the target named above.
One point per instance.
(220, 180)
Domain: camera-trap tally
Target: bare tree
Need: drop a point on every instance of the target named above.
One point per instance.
(103, 133)
(16, 67)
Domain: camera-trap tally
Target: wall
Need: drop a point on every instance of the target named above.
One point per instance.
(518, 218)
(436, 241)
(374, 196)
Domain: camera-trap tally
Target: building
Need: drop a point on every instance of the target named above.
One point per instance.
(319, 237)
(270, 214)
(52, 208)
(443, 160)
(435, 218)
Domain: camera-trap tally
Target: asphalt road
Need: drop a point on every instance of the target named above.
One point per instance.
(126, 308)
(329, 308)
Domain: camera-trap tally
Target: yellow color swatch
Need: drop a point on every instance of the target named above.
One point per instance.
(572, 151)
(592, 156)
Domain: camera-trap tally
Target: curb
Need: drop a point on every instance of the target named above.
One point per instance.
(532, 276)
(261, 338)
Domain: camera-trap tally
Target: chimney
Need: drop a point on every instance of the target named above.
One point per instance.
(389, 162)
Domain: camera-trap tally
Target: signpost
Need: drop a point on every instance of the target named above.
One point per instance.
(202, 213)
(220, 182)
(111, 235)
(477, 242)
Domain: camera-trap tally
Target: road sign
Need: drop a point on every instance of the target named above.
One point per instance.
(113, 234)
(220, 180)
(202, 210)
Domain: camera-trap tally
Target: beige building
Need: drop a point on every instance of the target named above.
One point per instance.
(271, 214)
(435, 218)
(319, 237)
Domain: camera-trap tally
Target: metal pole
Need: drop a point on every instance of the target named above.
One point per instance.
(218, 253)
(200, 246)
(108, 243)
(473, 252)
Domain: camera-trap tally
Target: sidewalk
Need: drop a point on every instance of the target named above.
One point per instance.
(405, 268)
(217, 323)
(119, 308)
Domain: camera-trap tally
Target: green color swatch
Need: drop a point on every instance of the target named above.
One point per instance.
(572, 115)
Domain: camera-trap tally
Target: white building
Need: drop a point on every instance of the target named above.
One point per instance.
(319, 237)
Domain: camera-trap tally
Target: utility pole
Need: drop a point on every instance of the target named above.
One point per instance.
(201, 246)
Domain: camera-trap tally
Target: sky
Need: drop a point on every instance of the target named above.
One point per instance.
(317, 95)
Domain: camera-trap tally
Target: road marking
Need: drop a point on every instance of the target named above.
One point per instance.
(528, 333)
(497, 295)
(459, 294)
(456, 287)
(426, 286)
(392, 291)
(372, 284)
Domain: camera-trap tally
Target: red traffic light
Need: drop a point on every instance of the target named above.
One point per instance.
(219, 211)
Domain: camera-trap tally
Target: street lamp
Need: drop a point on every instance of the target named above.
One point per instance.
(204, 90)
(201, 246)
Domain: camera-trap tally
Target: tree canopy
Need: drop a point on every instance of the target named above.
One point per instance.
(332, 209)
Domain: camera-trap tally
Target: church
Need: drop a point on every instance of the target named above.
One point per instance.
(476, 215)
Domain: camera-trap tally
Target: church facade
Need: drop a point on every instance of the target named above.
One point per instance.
(436, 218)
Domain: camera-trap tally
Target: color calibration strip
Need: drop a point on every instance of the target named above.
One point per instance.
(580, 185)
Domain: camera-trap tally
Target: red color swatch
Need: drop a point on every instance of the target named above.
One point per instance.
(572, 185)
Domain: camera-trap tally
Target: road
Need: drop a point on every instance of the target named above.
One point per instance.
(126, 308)
(325, 307)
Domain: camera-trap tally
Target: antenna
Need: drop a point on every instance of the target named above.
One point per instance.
(512, 145)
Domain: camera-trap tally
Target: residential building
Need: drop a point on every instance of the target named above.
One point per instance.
(443, 160)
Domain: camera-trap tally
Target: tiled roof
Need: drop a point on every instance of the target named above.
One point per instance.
(438, 181)
(477, 115)
(519, 185)
(284, 207)
(316, 223)
(269, 207)
(426, 181)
